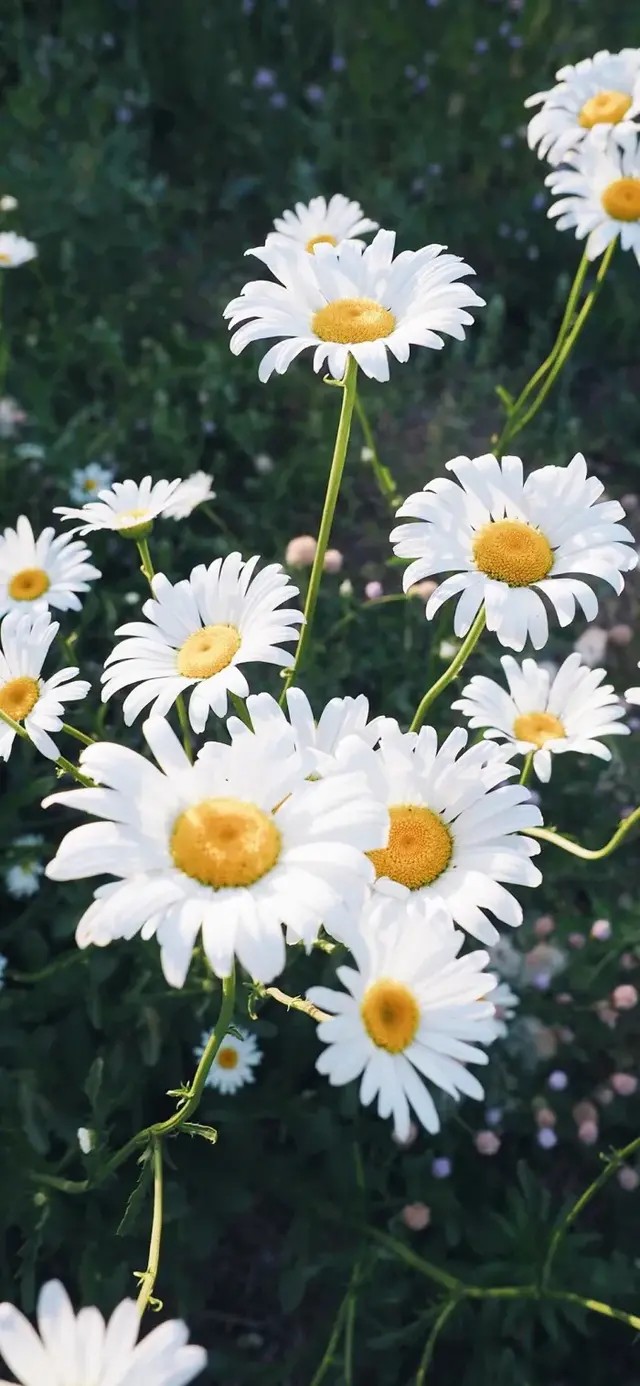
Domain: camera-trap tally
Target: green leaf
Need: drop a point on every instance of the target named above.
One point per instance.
(136, 1197)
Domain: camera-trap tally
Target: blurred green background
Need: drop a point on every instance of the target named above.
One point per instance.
(148, 146)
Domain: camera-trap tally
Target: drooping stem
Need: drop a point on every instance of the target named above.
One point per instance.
(461, 656)
(383, 476)
(348, 386)
(146, 566)
(148, 1278)
(588, 853)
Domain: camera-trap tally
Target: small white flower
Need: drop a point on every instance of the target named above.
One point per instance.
(596, 98)
(264, 464)
(193, 491)
(81, 1350)
(8, 203)
(235, 1061)
(344, 301)
(509, 542)
(37, 704)
(48, 571)
(86, 1139)
(128, 507)
(88, 481)
(320, 223)
(411, 1009)
(598, 195)
(632, 695)
(11, 416)
(505, 1002)
(22, 879)
(198, 633)
(15, 250)
(319, 744)
(545, 715)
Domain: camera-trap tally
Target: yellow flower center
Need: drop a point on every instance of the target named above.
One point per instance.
(319, 240)
(131, 517)
(208, 651)
(621, 199)
(28, 584)
(349, 320)
(512, 551)
(227, 1057)
(390, 1015)
(419, 849)
(18, 697)
(5, 259)
(89, 484)
(225, 843)
(605, 108)
(538, 727)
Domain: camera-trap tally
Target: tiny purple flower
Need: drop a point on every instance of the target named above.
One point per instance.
(546, 1138)
(558, 1080)
(441, 1167)
(263, 78)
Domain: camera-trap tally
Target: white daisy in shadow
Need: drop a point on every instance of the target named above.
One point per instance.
(37, 704)
(598, 196)
(598, 97)
(51, 570)
(321, 223)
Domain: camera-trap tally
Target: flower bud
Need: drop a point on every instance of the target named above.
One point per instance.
(416, 1216)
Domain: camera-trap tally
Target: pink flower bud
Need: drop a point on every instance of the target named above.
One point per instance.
(585, 1111)
(416, 1216)
(576, 940)
(624, 997)
(601, 930)
(544, 926)
(412, 1136)
(487, 1143)
(588, 1132)
(623, 1083)
(621, 635)
(373, 590)
(333, 561)
(545, 1117)
(628, 1179)
(301, 551)
(422, 590)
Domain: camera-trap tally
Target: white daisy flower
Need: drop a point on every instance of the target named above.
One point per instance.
(88, 481)
(318, 743)
(235, 1061)
(129, 507)
(632, 695)
(22, 879)
(509, 542)
(457, 830)
(599, 94)
(320, 223)
(15, 250)
(48, 571)
(411, 1009)
(193, 491)
(83, 1349)
(198, 633)
(267, 849)
(37, 704)
(599, 194)
(344, 300)
(545, 714)
(505, 1003)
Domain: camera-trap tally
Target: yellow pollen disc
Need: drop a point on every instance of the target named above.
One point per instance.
(18, 697)
(227, 1057)
(390, 1015)
(605, 108)
(349, 320)
(208, 651)
(538, 727)
(621, 199)
(513, 552)
(225, 843)
(319, 240)
(4, 258)
(89, 484)
(419, 847)
(129, 517)
(28, 584)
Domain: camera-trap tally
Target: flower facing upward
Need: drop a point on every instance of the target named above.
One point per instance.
(81, 1350)
(87, 481)
(15, 250)
(237, 845)
(48, 571)
(508, 542)
(129, 507)
(317, 743)
(36, 704)
(598, 194)
(197, 635)
(193, 491)
(235, 1061)
(320, 223)
(411, 1009)
(344, 301)
(545, 715)
(599, 94)
(457, 830)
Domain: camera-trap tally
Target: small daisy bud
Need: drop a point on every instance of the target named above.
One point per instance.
(624, 997)
(416, 1216)
(544, 926)
(621, 635)
(545, 1117)
(588, 1132)
(8, 203)
(486, 1142)
(601, 930)
(422, 590)
(623, 1083)
(546, 1138)
(413, 1136)
(366, 454)
(333, 561)
(628, 1179)
(346, 588)
(301, 551)
(373, 590)
(441, 1167)
(86, 1139)
(584, 1111)
(558, 1080)
(576, 940)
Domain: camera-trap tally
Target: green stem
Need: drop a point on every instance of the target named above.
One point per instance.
(330, 501)
(330, 1350)
(149, 1277)
(447, 1310)
(184, 726)
(526, 768)
(292, 1003)
(146, 566)
(588, 853)
(62, 762)
(79, 736)
(618, 1158)
(383, 476)
(468, 645)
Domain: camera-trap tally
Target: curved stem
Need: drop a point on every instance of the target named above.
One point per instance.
(62, 762)
(293, 1003)
(348, 386)
(618, 1158)
(383, 476)
(146, 566)
(468, 645)
(588, 853)
(79, 736)
(149, 1277)
(447, 1310)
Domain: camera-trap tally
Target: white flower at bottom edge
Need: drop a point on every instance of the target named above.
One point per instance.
(37, 704)
(596, 98)
(48, 571)
(83, 1349)
(505, 1002)
(509, 542)
(128, 507)
(320, 223)
(238, 845)
(88, 481)
(632, 695)
(598, 193)
(545, 715)
(235, 1061)
(193, 491)
(411, 1009)
(318, 742)
(15, 250)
